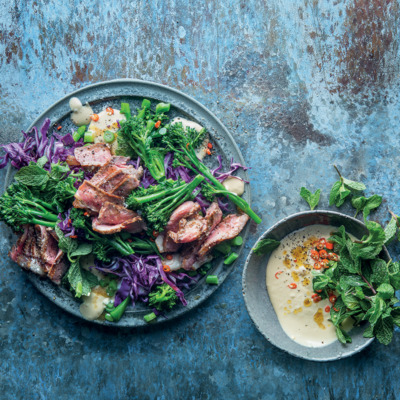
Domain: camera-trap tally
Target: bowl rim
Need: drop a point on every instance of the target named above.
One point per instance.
(245, 286)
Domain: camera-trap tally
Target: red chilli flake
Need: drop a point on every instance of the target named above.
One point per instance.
(292, 286)
(59, 127)
(327, 309)
(278, 273)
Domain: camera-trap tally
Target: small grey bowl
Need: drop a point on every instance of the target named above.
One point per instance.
(259, 305)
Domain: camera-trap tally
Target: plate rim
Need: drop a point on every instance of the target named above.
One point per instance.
(252, 314)
(46, 287)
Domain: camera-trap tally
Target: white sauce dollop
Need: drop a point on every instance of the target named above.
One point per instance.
(80, 113)
(94, 304)
(234, 185)
(304, 321)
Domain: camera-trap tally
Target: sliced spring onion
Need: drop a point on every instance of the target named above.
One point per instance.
(212, 279)
(146, 103)
(150, 317)
(89, 137)
(231, 258)
(224, 248)
(126, 110)
(109, 136)
(162, 108)
(78, 134)
(108, 317)
(237, 241)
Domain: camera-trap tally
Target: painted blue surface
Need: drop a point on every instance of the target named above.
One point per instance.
(301, 86)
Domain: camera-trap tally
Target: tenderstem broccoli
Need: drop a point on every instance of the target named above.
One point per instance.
(18, 206)
(183, 144)
(142, 137)
(158, 202)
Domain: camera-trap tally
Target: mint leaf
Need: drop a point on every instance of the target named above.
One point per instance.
(58, 171)
(352, 185)
(334, 194)
(351, 301)
(374, 313)
(343, 193)
(41, 162)
(342, 336)
(32, 175)
(265, 246)
(369, 332)
(372, 202)
(394, 274)
(310, 198)
(390, 231)
(80, 280)
(82, 250)
(380, 273)
(358, 203)
(384, 330)
(396, 315)
(320, 282)
(385, 290)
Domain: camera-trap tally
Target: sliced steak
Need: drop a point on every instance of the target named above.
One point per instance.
(189, 229)
(72, 161)
(185, 210)
(229, 228)
(95, 155)
(125, 187)
(57, 271)
(213, 217)
(165, 244)
(50, 254)
(134, 224)
(111, 214)
(91, 197)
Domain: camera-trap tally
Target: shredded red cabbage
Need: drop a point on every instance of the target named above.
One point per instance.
(36, 144)
(65, 224)
(140, 274)
(221, 176)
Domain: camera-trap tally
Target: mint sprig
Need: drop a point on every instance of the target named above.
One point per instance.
(311, 198)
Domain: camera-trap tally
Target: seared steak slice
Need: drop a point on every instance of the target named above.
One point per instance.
(213, 217)
(185, 210)
(91, 197)
(95, 155)
(229, 228)
(133, 225)
(189, 229)
(111, 214)
(165, 244)
(125, 187)
(57, 271)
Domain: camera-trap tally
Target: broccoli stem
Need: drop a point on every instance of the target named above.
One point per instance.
(203, 169)
(36, 221)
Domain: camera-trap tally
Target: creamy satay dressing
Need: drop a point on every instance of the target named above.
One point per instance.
(304, 321)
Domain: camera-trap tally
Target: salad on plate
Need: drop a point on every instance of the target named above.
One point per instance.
(123, 209)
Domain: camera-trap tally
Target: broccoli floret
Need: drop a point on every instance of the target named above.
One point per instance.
(163, 298)
(158, 202)
(18, 206)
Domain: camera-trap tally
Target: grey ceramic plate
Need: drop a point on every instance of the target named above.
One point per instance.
(259, 305)
(112, 93)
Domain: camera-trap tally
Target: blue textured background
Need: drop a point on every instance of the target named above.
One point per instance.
(301, 85)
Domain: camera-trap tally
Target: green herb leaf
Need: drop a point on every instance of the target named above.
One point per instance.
(372, 202)
(342, 336)
(82, 250)
(334, 194)
(358, 203)
(265, 246)
(80, 280)
(380, 273)
(32, 175)
(369, 332)
(310, 198)
(385, 290)
(390, 230)
(394, 274)
(41, 162)
(396, 316)
(66, 244)
(354, 186)
(384, 330)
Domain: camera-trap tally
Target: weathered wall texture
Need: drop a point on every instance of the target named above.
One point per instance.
(301, 85)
